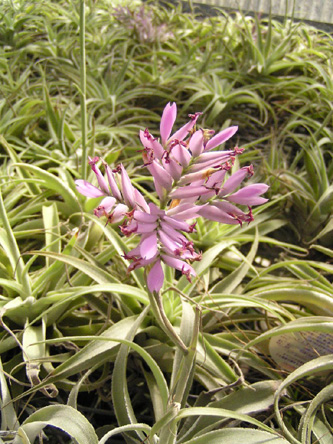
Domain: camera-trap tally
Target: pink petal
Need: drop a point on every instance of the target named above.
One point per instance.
(189, 191)
(209, 164)
(196, 143)
(129, 228)
(177, 209)
(127, 188)
(250, 195)
(184, 130)
(140, 216)
(87, 189)
(161, 192)
(148, 246)
(191, 213)
(155, 277)
(145, 228)
(216, 178)
(221, 137)
(234, 181)
(176, 224)
(105, 206)
(148, 141)
(155, 210)
(100, 178)
(167, 121)
(178, 264)
(193, 177)
(181, 154)
(211, 212)
(112, 182)
(215, 156)
(172, 233)
(167, 241)
(140, 200)
(160, 175)
(118, 214)
(135, 252)
(228, 208)
(172, 167)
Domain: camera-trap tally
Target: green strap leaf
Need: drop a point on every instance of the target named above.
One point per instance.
(123, 429)
(8, 416)
(62, 417)
(324, 363)
(238, 435)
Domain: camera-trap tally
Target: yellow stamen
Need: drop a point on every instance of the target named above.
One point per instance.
(174, 203)
(208, 173)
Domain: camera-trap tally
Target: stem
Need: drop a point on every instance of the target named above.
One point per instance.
(185, 373)
(187, 366)
(83, 89)
(165, 324)
(14, 252)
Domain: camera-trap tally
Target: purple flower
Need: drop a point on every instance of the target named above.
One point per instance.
(191, 181)
(141, 21)
(162, 239)
(115, 191)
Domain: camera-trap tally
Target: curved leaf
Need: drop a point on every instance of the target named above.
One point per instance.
(238, 435)
(62, 417)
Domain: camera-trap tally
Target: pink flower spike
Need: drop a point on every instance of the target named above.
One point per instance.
(167, 121)
(155, 277)
(87, 189)
(148, 246)
(221, 137)
(250, 195)
(196, 143)
(127, 188)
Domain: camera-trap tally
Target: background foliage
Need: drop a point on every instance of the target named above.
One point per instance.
(76, 339)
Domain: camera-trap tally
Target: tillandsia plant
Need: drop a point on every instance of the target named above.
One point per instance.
(191, 180)
(141, 21)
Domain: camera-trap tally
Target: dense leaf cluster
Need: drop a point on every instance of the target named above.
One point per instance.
(74, 327)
